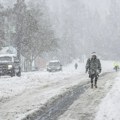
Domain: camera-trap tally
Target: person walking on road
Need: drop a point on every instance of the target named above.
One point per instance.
(76, 66)
(93, 67)
(116, 66)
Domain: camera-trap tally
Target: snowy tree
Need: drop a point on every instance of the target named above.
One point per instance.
(19, 10)
(77, 27)
(34, 33)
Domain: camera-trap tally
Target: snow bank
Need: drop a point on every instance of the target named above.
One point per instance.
(10, 87)
(109, 109)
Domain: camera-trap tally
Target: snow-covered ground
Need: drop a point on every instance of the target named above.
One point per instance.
(34, 89)
(85, 107)
(14, 86)
(109, 109)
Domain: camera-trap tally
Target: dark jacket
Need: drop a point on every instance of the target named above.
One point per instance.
(93, 66)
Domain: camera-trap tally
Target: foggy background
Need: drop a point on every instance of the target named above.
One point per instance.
(62, 29)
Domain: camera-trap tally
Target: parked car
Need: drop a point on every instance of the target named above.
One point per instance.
(54, 65)
(9, 65)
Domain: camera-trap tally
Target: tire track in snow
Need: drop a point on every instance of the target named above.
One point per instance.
(62, 103)
(87, 104)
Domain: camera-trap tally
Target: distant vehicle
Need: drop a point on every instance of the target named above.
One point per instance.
(9, 65)
(54, 66)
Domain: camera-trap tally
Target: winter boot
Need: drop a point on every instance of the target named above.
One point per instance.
(91, 85)
(95, 85)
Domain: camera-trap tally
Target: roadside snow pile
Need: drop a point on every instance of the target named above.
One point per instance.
(10, 87)
(109, 109)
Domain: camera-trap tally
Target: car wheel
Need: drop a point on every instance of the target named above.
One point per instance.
(18, 74)
(12, 73)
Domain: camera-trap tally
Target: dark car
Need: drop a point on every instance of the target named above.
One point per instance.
(54, 66)
(9, 65)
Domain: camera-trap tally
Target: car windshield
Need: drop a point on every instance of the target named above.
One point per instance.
(5, 59)
(54, 64)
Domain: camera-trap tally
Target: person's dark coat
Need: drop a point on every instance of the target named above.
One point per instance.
(93, 66)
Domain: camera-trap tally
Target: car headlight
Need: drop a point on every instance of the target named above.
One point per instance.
(10, 66)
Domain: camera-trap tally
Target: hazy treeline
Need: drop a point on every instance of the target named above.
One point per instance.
(83, 31)
(66, 31)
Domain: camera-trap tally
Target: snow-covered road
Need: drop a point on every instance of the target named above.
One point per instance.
(36, 94)
(20, 97)
(87, 105)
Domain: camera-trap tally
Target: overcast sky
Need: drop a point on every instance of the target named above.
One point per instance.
(102, 6)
